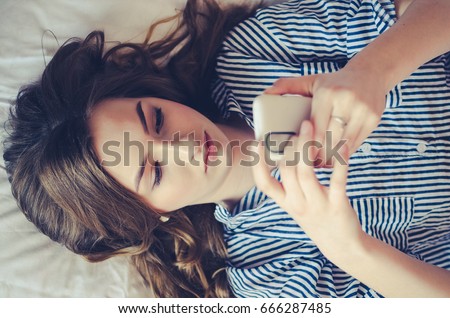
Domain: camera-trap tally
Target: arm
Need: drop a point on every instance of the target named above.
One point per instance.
(421, 34)
(325, 214)
(393, 273)
(356, 93)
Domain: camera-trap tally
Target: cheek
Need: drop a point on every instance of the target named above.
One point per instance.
(160, 203)
(171, 196)
(183, 194)
(189, 118)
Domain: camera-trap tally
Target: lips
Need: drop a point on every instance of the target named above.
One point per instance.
(207, 146)
(210, 150)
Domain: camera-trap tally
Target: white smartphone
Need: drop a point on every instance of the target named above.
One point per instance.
(277, 118)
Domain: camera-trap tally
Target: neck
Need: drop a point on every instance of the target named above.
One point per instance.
(240, 179)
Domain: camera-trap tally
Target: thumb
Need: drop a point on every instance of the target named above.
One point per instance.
(293, 85)
(338, 180)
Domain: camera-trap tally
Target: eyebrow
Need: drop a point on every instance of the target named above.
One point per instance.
(140, 173)
(141, 116)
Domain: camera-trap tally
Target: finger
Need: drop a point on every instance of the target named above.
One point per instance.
(288, 168)
(338, 180)
(333, 137)
(362, 134)
(320, 116)
(305, 168)
(355, 141)
(292, 85)
(289, 178)
(353, 130)
(263, 179)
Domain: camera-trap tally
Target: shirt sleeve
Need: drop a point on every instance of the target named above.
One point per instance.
(292, 39)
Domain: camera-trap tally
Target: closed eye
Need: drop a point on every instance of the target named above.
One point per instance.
(159, 120)
(158, 174)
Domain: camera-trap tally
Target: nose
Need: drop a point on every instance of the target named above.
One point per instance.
(182, 150)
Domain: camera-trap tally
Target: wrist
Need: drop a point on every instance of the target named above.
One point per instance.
(377, 71)
(351, 253)
(346, 253)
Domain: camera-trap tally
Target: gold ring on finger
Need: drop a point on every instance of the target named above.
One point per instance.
(340, 120)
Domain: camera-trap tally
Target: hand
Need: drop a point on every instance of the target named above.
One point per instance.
(348, 103)
(325, 214)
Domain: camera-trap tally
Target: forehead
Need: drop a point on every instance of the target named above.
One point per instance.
(113, 108)
(114, 128)
(111, 119)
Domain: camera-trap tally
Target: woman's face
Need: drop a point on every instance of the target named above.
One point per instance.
(160, 150)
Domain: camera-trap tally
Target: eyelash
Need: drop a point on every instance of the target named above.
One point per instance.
(159, 120)
(158, 174)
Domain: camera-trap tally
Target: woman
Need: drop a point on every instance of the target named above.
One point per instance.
(147, 208)
(50, 142)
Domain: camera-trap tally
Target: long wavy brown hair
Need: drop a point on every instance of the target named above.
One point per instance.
(56, 177)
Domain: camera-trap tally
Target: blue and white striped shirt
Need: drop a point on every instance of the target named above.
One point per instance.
(399, 179)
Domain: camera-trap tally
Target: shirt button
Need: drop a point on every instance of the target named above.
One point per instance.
(366, 147)
(421, 147)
